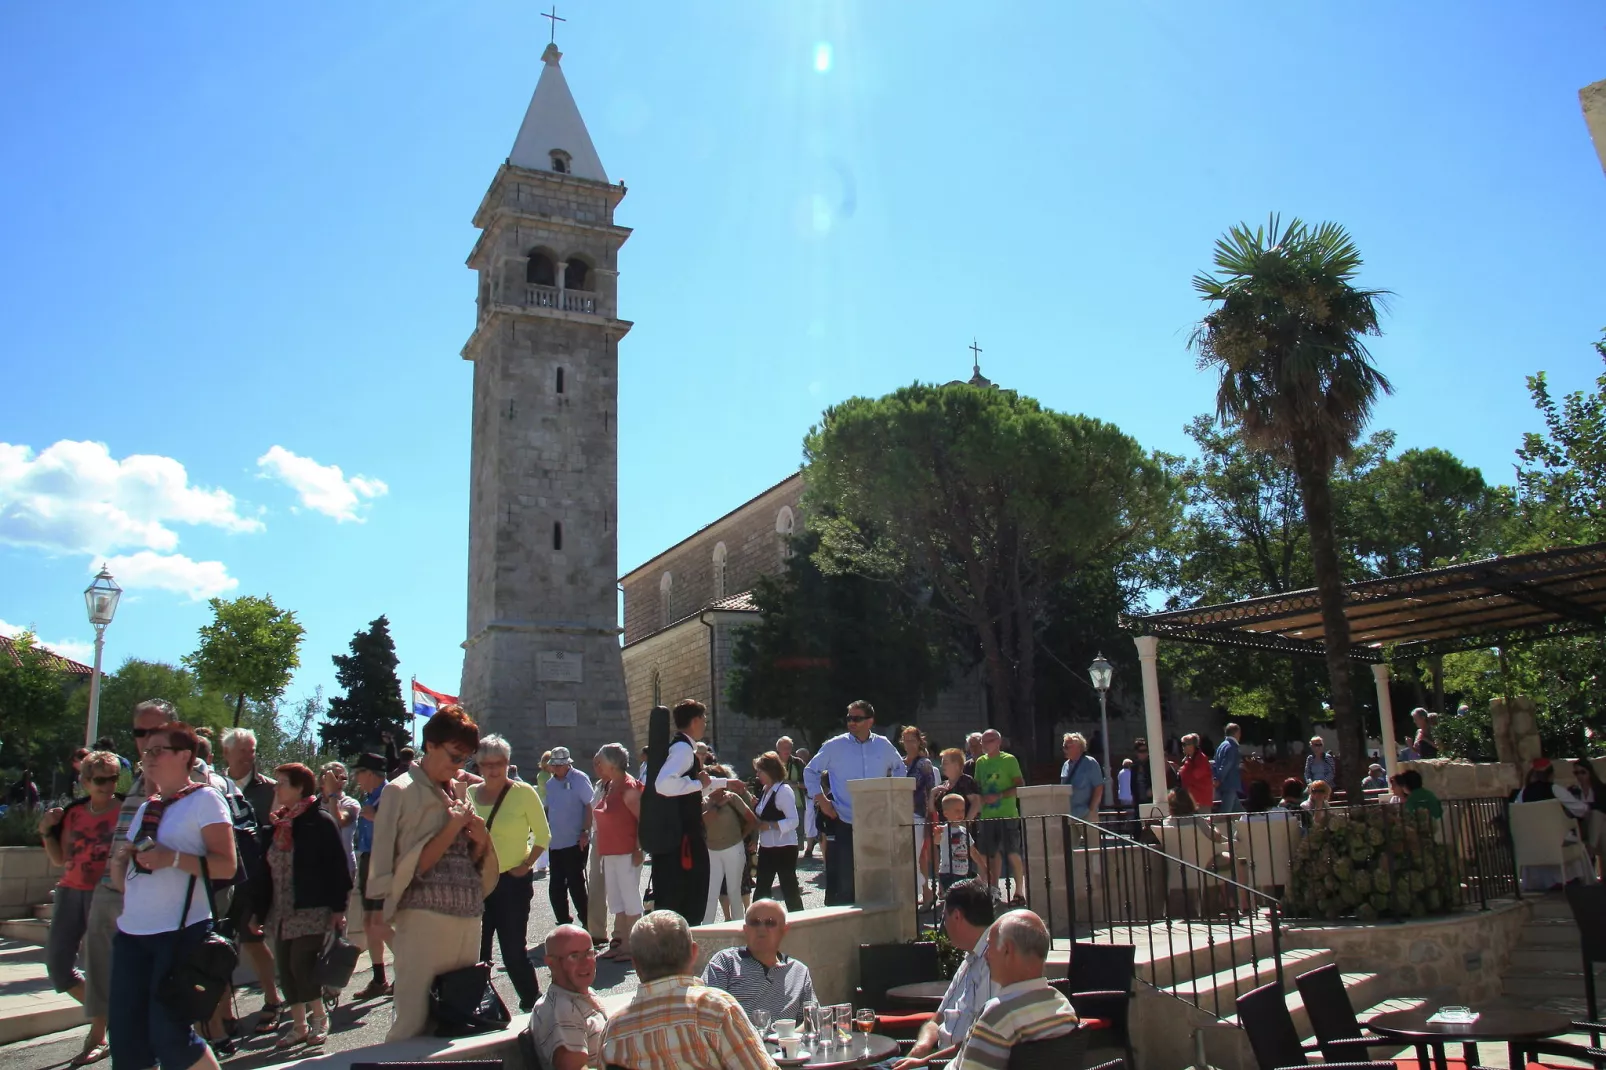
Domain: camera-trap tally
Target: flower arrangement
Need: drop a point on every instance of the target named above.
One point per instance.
(1371, 862)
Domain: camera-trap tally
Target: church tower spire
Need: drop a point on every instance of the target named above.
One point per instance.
(541, 661)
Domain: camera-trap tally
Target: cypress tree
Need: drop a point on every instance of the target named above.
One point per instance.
(372, 702)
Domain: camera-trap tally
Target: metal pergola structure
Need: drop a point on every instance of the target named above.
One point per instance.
(1496, 602)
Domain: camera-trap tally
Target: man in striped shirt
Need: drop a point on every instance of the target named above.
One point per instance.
(1027, 1007)
(758, 975)
(674, 1021)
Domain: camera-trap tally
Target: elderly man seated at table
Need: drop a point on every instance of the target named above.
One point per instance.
(758, 975)
(566, 1028)
(967, 914)
(1027, 1007)
(674, 1021)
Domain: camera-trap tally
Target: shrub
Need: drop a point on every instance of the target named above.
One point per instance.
(1369, 863)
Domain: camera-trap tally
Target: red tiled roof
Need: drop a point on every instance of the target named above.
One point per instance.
(735, 603)
(67, 665)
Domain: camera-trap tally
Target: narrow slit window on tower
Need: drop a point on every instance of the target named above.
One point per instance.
(719, 570)
(560, 380)
(665, 585)
(557, 535)
(784, 525)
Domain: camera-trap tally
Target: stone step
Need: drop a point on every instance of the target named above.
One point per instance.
(1548, 958)
(1217, 993)
(28, 1006)
(1551, 932)
(28, 930)
(44, 911)
(1550, 906)
(1543, 984)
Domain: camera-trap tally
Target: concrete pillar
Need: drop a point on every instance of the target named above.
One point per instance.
(884, 870)
(1149, 659)
(1047, 884)
(1385, 714)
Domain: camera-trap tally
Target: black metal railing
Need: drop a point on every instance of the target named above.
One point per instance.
(1201, 935)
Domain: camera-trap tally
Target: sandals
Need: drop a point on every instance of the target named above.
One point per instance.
(613, 950)
(273, 1016)
(292, 1039)
(317, 1031)
(93, 1054)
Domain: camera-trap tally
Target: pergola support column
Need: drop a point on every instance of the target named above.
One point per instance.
(1385, 716)
(1149, 660)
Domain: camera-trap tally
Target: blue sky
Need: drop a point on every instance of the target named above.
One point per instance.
(232, 243)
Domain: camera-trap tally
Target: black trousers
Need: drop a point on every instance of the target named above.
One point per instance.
(507, 917)
(566, 879)
(679, 888)
(778, 862)
(838, 861)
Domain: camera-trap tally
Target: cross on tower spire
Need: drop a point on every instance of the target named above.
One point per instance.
(555, 19)
(975, 355)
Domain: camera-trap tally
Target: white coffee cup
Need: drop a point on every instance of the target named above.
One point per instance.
(785, 1027)
(790, 1046)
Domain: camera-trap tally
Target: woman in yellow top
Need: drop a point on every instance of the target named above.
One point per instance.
(517, 822)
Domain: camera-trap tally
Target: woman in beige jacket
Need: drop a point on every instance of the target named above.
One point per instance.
(433, 865)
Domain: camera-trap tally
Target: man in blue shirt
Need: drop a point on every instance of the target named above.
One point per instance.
(1081, 771)
(568, 814)
(369, 769)
(1227, 771)
(857, 754)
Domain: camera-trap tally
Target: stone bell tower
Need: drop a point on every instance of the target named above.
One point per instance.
(542, 663)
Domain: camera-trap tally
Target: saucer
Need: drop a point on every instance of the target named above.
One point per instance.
(803, 1055)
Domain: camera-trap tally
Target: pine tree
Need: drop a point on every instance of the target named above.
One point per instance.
(372, 702)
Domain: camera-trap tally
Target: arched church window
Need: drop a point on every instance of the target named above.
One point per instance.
(540, 269)
(657, 688)
(665, 585)
(576, 275)
(560, 380)
(783, 529)
(557, 535)
(719, 570)
(560, 161)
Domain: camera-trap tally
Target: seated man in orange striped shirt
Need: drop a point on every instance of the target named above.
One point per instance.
(1027, 1007)
(674, 1021)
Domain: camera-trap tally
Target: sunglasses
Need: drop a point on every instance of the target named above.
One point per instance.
(763, 923)
(102, 781)
(855, 718)
(152, 752)
(141, 733)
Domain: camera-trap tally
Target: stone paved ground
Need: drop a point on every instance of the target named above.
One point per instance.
(356, 1026)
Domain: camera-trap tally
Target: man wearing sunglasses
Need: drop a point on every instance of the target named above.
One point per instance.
(857, 754)
(758, 975)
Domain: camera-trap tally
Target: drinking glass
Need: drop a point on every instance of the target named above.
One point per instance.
(844, 1023)
(810, 1026)
(864, 1025)
(760, 1020)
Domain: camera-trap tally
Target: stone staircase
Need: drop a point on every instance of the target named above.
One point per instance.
(28, 925)
(1546, 971)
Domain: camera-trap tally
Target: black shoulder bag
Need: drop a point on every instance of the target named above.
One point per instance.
(202, 965)
(463, 1001)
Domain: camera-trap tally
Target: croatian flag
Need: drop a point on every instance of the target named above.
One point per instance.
(426, 702)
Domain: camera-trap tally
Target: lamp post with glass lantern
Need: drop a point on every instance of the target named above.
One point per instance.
(1102, 672)
(100, 598)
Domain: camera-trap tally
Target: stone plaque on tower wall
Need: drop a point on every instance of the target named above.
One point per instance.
(559, 667)
(562, 714)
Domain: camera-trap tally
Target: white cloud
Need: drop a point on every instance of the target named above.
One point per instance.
(76, 649)
(323, 488)
(169, 572)
(76, 497)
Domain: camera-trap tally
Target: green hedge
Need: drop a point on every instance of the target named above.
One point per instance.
(1369, 863)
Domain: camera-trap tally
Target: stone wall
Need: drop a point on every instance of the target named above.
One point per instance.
(753, 548)
(1452, 778)
(1466, 952)
(26, 879)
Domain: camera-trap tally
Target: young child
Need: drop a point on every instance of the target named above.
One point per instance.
(953, 843)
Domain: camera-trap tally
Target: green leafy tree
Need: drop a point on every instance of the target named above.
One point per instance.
(1422, 509)
(824, 640)
(1286, 335)
(34, 725)
(372, 703)
(1561, 472)
(249, 650)
(981, 501)
(137, 680)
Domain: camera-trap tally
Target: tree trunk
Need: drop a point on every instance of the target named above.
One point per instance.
(1024, 703)
(239, 707)
(1436, 666)
(1000, 688)
(1315, 485)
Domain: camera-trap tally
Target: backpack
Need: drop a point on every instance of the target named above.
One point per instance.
(250, 851)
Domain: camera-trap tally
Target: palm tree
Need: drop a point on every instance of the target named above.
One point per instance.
(1286, 335)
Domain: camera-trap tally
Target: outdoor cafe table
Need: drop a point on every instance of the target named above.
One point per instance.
(922, 995)
(1504, 1025)
(847, 1056)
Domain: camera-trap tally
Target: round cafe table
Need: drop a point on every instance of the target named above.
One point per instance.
(865, 1049)
(921, 995)
(1496, 1025)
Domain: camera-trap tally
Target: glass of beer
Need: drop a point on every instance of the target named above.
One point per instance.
(864, 1025)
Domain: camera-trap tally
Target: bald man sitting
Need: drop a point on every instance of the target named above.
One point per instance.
(1027, 1007)
(758, 975)
(566, 1027)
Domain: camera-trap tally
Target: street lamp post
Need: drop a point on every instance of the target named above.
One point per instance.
(1102, 672)
(100, 598)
